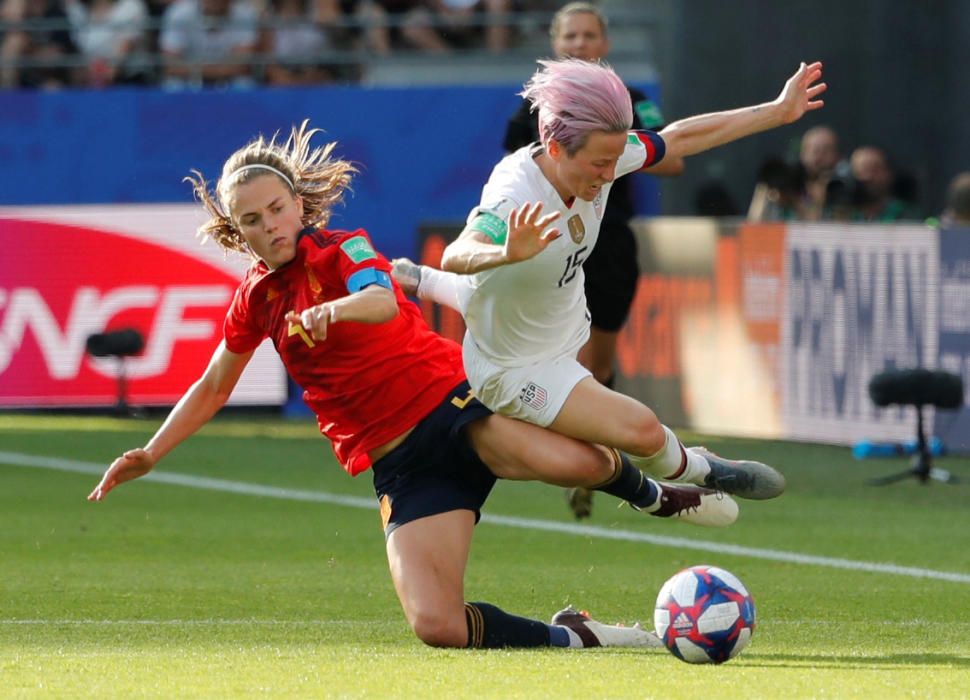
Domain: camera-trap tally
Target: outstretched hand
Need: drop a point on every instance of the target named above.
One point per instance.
(527, 236)
(798, 95)
(130, 465)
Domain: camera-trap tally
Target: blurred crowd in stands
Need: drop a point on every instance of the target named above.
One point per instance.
(95, 43)
(823, 184)
(240, 43)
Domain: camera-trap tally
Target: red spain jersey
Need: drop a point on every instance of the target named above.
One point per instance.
(366, 383)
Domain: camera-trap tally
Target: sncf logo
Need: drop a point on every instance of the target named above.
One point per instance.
(62, 283)
(25, 312)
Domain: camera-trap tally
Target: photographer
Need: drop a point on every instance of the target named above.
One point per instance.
(780, 193)
(868, 194)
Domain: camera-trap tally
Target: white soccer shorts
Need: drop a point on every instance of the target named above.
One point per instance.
(534, 393)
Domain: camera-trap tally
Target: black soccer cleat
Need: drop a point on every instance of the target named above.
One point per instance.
(741, 478)
(580, 501)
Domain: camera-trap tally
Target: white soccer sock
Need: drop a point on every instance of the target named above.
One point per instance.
(439, 286)
(667, 462)
(574, 641)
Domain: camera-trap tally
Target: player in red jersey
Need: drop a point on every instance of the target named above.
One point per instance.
(390, 395)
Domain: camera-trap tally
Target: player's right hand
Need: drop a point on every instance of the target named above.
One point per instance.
(527, 236)
(130, 465)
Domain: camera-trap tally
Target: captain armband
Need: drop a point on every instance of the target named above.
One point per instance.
(366, 277)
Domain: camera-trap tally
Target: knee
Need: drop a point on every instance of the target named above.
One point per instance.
(437, 629)
(645, 433)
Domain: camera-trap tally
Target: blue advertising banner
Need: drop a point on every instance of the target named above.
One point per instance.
(861, 299)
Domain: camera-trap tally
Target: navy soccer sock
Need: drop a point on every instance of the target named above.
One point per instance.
(492, 628)
(629, 483)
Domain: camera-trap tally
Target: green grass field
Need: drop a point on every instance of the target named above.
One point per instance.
(192, 590)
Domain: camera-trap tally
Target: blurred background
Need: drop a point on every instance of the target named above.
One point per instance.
(802, 260)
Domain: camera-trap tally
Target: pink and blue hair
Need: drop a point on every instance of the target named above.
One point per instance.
(576, 97)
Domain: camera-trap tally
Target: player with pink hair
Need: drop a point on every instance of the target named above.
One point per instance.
(519, 282)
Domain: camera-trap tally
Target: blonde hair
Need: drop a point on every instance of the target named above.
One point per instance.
(576, 8)
(310, 174)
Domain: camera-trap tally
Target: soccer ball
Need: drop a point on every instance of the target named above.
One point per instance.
(704, 615)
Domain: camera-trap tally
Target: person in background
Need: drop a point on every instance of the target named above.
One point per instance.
(205, 42)
(294, 37)
(109, 34)
(49, 44)
(822, 163)
(471, 23)
(873, 199)
(957, 211)
(779, 194)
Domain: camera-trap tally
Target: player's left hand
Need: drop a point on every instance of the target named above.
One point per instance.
(798, 95)
(529, 233)
(316, 319)
(130, 465)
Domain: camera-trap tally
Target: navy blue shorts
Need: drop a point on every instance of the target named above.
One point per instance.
(435, 470)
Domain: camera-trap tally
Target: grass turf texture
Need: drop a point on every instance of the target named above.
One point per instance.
(169, 591)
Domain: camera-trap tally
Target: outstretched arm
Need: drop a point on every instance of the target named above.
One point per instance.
(695, 134)
(193, 410)
(482, 246)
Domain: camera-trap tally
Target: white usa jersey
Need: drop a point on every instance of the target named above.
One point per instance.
(534, 310)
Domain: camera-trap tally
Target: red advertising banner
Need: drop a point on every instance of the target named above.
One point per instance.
(70, 274)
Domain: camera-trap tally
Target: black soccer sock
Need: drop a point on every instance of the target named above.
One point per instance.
(629, 483)
(491, 628)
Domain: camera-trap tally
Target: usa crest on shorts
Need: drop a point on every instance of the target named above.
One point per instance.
(534, 395)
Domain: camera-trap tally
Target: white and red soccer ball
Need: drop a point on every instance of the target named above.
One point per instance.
(704, 615)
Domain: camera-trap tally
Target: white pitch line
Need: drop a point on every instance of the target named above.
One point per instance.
(17, 459)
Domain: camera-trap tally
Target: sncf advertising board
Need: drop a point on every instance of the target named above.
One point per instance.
(70, 272)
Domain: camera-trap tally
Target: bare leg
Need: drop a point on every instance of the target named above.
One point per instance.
(427, 558)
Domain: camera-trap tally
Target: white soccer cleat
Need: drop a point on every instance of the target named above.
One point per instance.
(596, 634)
(693, 504)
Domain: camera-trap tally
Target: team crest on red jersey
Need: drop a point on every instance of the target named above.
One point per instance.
(314, 283)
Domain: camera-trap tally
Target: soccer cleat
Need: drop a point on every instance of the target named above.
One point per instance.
(407, 274)
(596, 634)
(580, 501)
(741, 478)
(693, 504)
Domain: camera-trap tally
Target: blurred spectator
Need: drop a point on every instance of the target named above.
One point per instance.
(822, 162)
(36, 45)
(108, 33)
(780, 192)
(296, 34)
(872, 197)
(472, 23)
(957, 212)
(390, 24)
(202, 42)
